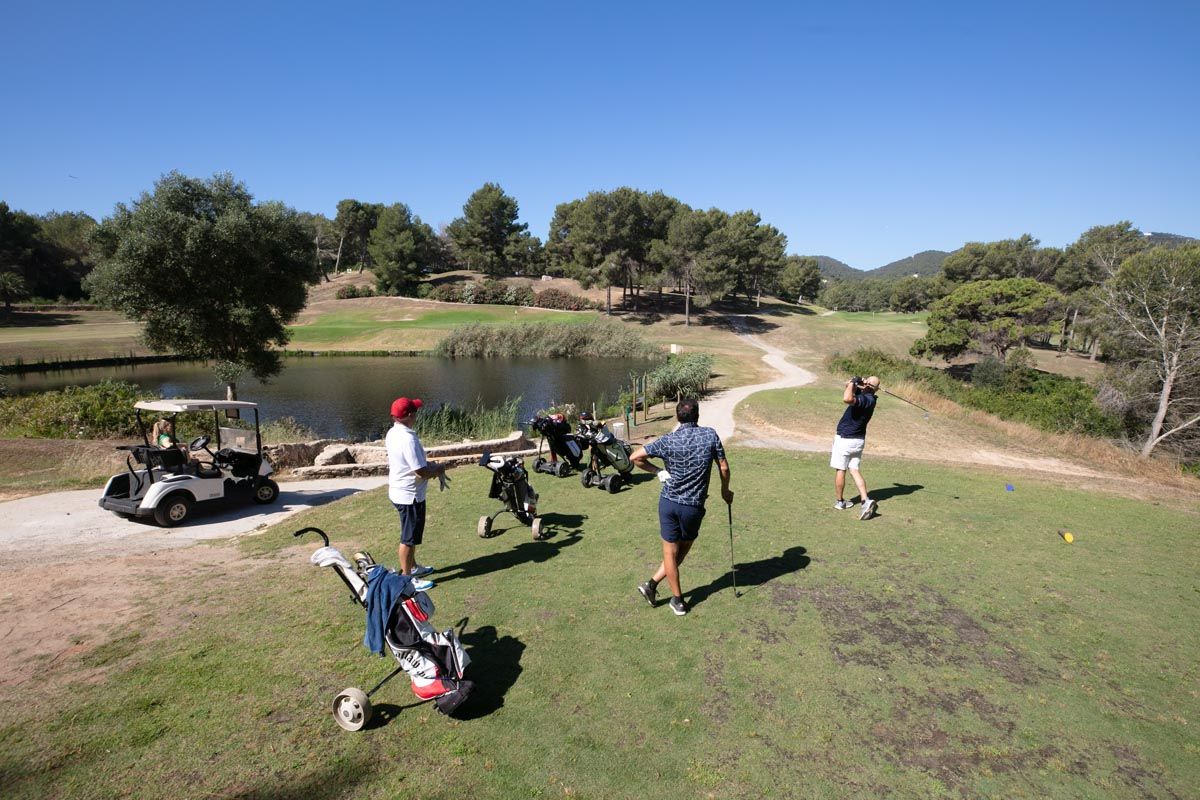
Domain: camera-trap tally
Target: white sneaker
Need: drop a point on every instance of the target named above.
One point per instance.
(418, 571)
(868, 509)
(422, 585)
(842, 505)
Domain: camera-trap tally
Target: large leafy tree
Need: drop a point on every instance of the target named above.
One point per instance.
(1152, 314)
(1087, 263)
(210, 274)
(988, 316)
(800, 278)
(12, 287)
(1008, 258)
(753, 250)
(488, 237)
(404, 250)
(353, 225)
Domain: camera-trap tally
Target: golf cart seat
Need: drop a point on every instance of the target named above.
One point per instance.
(170, 459)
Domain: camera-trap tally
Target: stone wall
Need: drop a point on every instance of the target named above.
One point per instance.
(334, 459)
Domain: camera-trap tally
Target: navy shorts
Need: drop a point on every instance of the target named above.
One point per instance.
(412, 523)
(677, 522)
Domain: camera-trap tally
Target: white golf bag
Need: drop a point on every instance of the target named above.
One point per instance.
(434, 661)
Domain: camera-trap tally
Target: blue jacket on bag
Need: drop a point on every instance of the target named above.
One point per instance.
(384, 589)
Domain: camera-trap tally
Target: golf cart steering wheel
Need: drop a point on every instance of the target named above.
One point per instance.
(199, 443)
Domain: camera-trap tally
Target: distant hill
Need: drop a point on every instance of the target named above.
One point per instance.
(927, 262)
(832, 268)
(1169, 239)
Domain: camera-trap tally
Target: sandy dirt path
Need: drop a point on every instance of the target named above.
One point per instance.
(717, 411)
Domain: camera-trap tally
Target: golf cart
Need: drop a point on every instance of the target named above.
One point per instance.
(164, 483)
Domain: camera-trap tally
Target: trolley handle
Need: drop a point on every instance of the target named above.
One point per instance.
(317, 531)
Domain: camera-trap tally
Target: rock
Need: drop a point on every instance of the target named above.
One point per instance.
(334, 454)
(368, 454)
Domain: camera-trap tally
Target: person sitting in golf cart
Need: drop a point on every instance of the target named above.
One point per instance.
(164, 433)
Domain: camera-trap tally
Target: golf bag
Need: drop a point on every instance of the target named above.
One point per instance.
(556, 432)
(606, 451)
(510, 485)
(399, 615)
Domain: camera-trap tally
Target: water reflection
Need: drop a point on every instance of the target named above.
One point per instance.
(350, 396)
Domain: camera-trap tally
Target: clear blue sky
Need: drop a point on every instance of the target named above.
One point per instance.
(863, 131)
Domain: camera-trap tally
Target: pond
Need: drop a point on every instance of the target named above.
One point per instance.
(349, 396)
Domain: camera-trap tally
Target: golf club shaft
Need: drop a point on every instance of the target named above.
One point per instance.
(732, 565)
(910, 402)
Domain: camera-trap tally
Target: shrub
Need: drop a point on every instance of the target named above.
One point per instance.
(347, 292)
(684, 375)
(451, 423)
(1046, 401)
(562, 301)
(445, 293)
(598, 338)
(988, 373)
(102, 411)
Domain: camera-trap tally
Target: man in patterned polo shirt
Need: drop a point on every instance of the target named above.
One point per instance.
(689, 452)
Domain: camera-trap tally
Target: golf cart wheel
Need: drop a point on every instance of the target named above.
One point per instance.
(173, 509)
(352, 709)
(266, 492)
(484, 528)
(585, 478)
(537, 529)
(562, 469)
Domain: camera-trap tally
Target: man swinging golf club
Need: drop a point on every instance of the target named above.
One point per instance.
(689, 452)
(859, 397)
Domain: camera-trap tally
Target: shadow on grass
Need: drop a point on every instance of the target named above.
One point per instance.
(895, 490)
(524, 553)
(754, 574)
(336, 781)
(571, 524)
(495, 665)
(38, 319)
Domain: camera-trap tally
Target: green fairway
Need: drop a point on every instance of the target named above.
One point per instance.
(368, 325)
(68, 335)
(953, 646)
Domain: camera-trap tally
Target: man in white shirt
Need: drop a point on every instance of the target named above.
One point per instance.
(408, 476)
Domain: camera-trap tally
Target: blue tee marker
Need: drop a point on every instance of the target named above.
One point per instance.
(1008, 487)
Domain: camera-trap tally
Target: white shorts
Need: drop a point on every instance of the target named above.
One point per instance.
(847, 453)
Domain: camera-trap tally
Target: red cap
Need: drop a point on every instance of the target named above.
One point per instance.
(402, 407)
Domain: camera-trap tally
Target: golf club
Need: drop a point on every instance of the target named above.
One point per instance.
(910, 402)
(732, 566)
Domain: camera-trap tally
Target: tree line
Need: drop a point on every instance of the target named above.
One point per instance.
(214, 275)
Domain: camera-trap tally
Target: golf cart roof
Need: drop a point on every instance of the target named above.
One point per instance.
(180, 406)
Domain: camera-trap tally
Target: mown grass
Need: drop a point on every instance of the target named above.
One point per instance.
(68, 335)
(954, 646)
(417, 328)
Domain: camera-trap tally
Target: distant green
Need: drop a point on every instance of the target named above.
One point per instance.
(340, 326)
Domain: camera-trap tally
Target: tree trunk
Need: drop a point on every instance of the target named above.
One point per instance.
(687, 305)
(337, 264)
(1095, 348)
(231, 391)
(1164, 400)
(608, 301)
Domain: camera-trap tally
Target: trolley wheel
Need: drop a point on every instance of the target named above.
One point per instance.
(266, 492)
(537, 529)
(562, 469)
(484, 528)
(612, 484)
(585, 478)
(537, 464)
(352, 709)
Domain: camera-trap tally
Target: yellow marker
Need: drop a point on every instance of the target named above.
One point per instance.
(1067, 537)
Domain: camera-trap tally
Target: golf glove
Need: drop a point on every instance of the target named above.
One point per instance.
(443, 482)
(664, 476)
